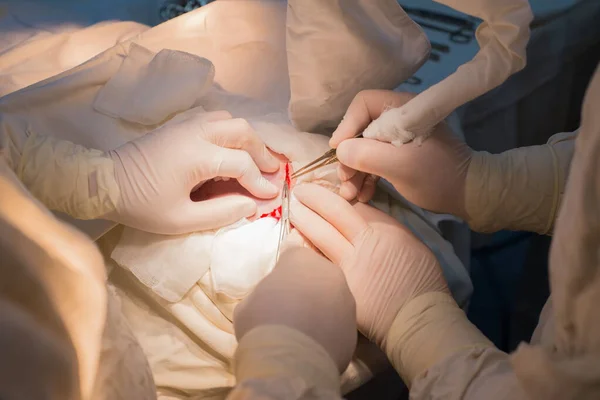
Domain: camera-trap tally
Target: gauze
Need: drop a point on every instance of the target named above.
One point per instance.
(131, 93)
(242, 255)
(502, 37)
(165, 264)
(336, 48)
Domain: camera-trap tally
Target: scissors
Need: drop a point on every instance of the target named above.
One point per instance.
(285, 218)
(329, 157)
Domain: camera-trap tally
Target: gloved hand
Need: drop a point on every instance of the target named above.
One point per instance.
(519, 189)
(307, 293)
(402, 300)
(385, 265)
(431, 175)
(146, 183)
(156, 173)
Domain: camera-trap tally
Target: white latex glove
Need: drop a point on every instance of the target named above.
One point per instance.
(402, 300)
(431, 175)
(146, 183)
(156, 174)
(307, 293)
(519, 189)
(502, 38)
(385, 264)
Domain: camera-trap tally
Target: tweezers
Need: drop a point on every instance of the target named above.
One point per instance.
(328, 158)
(284, 230)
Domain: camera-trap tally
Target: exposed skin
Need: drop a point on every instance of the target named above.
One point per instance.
(214, 189)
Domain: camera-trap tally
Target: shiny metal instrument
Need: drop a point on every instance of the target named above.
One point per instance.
(285, 218)
(328, 158)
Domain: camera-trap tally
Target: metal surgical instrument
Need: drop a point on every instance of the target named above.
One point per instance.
(284, 230)
(328, 158)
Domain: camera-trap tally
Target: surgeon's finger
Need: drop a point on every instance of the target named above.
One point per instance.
(331, 207)
(372, 156)
(374, 216)
(294, 239)
(213, 213)
(239, 165)
(238, 134)
(350, 189)
(319, 232)
(367, 191)
(366, 107)
(345, 172)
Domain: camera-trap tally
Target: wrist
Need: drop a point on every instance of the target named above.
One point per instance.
(68, 178)
(515, 190)
(428, 329)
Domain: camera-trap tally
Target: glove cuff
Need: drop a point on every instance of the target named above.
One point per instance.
(277, 351)
(516, 190)
(428, 329)
(68, 178)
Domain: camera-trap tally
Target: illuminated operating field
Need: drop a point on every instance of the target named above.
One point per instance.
(265, 208)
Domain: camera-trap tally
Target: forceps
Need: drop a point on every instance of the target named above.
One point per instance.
(328, 158)
(285, 218)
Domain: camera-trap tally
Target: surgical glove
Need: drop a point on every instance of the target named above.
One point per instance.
(403, 302)
(157, 173)
(146, 183)
(306, 293)
(519, 189)
(385, 264)
(431, 175)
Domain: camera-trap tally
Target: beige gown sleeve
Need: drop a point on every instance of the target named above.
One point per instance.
(274, 362)
(520, 189)
(63, 176)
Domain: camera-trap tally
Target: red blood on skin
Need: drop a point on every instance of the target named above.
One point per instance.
(276, 213)
(266, 207)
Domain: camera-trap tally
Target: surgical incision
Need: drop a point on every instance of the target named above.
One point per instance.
(276, 213)
(266, 207)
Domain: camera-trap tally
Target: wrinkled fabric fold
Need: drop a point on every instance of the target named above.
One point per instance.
(502, 38)
(336, 49)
